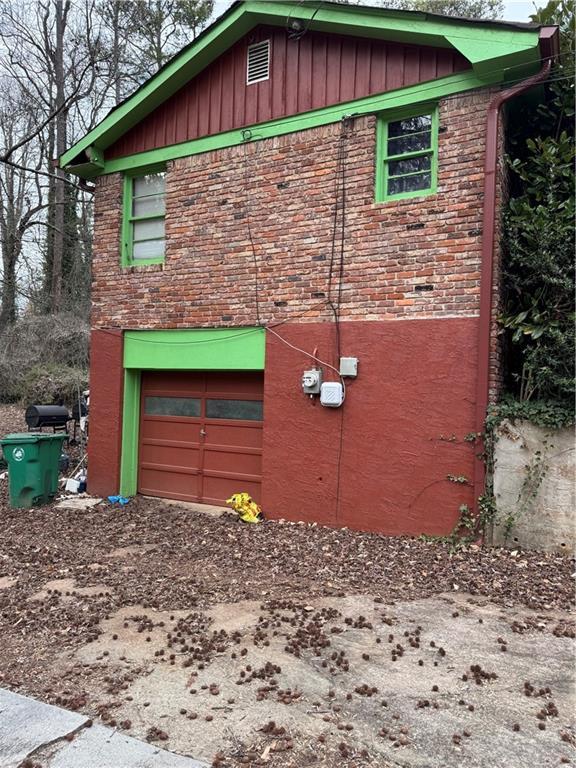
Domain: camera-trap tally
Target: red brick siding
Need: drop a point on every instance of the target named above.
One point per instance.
(495, 374)
(286, 186)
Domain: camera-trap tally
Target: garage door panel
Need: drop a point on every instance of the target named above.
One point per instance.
(218, 489)
(170, 455)
(224, 461)
(166, 483)
(176, 381)
(236, 434)
(240, 383)
(178, 431)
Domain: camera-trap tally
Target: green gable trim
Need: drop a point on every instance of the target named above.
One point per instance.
(433, 90)
(202, 349)
(487, 46)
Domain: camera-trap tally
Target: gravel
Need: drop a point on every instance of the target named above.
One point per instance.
(171, 558)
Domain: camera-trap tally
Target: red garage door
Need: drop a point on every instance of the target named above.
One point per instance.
(200, 435)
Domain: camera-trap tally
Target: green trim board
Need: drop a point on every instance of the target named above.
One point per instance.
(409, 97)
(198, 349)
(384, 158)
(201, 349)
(130, 433)
(480, 42)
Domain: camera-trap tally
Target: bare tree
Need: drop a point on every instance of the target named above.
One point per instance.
(20, 200)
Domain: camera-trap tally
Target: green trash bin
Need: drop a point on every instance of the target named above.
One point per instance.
(32, 467)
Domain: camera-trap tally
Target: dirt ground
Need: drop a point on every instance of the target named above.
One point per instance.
(287, 644)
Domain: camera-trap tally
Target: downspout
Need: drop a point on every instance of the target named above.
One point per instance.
(487, 259)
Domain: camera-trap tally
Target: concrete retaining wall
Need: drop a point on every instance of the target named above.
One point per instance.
(534, 486)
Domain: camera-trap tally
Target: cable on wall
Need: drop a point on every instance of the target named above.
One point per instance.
(296, 29)
(246, 137)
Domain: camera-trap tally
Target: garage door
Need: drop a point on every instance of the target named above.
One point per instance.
(200, 435)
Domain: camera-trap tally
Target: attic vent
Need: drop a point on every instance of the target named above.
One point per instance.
(258, 63)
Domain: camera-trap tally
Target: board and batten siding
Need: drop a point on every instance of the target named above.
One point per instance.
(316, 71)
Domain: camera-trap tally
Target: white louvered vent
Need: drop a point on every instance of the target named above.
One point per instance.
(258, 63)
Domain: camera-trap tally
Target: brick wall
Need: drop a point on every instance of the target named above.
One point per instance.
(285, 189)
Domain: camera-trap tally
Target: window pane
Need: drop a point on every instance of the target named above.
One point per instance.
(409, 143)
(171, 406)
(234, 409)
(145, 206)
(409, 165)
(152, 229)
(150, 184)
(409, 183)
(149, 249)
(410, 125)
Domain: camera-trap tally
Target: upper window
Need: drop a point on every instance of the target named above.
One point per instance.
(407, 156)
(258, 62)
(143, 240)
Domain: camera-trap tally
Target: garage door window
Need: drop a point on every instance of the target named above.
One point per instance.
(249, 410)
(172, 406)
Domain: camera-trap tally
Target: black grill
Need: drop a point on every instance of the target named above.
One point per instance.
(40, 416)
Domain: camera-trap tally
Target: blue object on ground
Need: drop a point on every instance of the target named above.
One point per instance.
(118, 500)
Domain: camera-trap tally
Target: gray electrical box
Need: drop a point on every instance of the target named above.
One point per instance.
(349, 366)
(311, 381)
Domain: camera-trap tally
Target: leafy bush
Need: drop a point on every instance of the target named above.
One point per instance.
(538, 237)
(53, 349)
(52, 383)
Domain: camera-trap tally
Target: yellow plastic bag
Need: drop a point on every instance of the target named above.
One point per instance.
(247, 509)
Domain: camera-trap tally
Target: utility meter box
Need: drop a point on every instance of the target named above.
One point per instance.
(349, 366)
(332, 394)
(311, 381)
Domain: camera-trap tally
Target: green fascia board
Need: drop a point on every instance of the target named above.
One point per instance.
(432, 90)
(207, 349)
(410, 27)
(480, 42)
(180, 70)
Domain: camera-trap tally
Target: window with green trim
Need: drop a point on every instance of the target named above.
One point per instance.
(143, 233)
(407, 155)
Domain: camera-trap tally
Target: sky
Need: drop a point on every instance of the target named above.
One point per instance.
(514, 10)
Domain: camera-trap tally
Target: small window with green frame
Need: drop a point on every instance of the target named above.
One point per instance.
(407, 154)
(144, 209)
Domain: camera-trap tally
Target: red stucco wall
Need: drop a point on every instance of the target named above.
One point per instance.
(106, 392)
(414, 391)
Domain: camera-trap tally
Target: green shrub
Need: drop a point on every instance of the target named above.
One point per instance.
(52, 383)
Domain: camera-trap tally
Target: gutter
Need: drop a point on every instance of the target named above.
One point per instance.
(549, 49)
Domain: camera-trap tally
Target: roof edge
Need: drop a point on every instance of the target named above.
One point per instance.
(493, 44)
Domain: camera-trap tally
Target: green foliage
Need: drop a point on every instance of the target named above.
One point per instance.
(50, 349)
(543, 413)
(52, 383)
(538, 237)
(154, 30)
(472, 9)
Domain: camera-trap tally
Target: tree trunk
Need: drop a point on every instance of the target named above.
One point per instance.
(61, 9)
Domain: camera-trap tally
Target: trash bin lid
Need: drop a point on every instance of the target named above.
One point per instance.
(20, 437)
(28, 437)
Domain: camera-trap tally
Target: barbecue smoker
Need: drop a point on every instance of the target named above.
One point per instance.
(57, 416)
(40, 416)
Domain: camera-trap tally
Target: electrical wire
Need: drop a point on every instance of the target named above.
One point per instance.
(298, 34)
(246, 137)
(311, 356)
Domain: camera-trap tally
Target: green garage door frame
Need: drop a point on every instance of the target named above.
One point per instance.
(203, 349)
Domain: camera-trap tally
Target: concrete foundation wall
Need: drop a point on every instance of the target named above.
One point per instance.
(534, 487)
